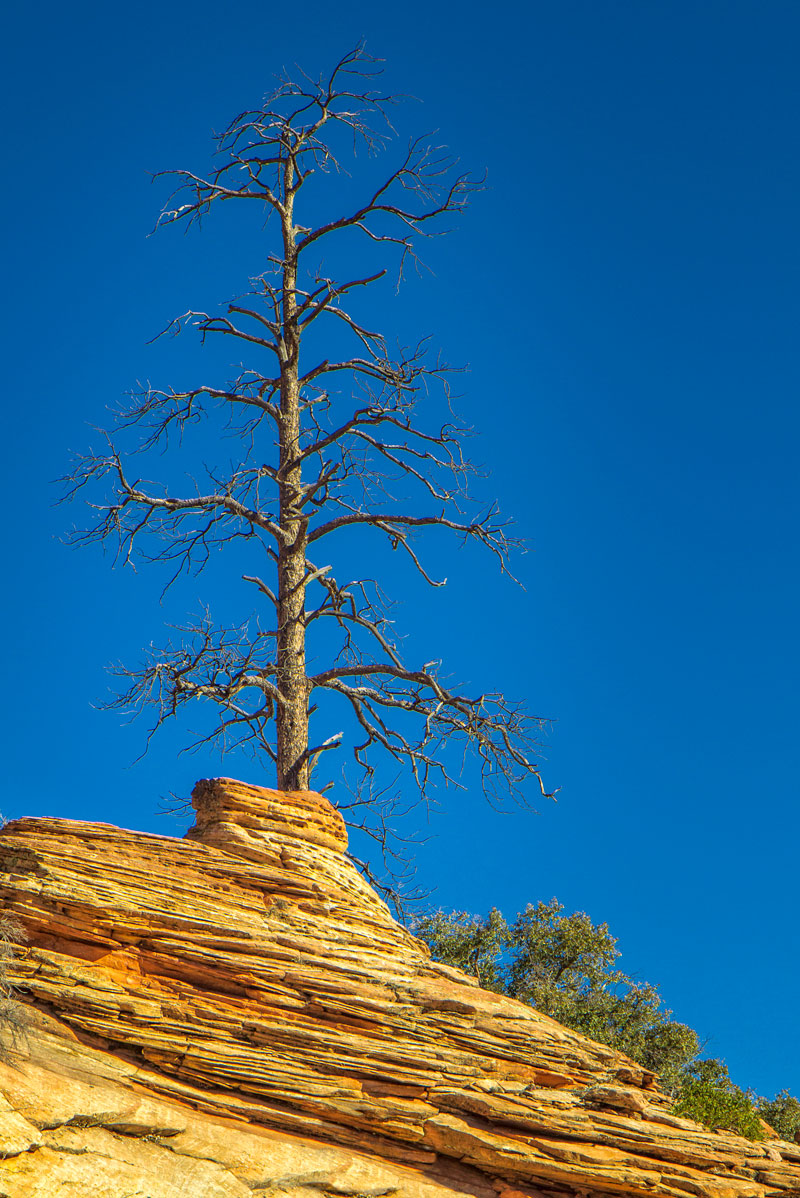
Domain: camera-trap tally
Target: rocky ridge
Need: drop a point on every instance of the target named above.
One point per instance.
(237, 1012)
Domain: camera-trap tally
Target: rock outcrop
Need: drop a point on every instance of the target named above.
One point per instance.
(237, 1012)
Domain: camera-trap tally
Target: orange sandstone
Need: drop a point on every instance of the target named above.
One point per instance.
(237, 1012)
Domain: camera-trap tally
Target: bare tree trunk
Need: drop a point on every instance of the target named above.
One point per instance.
(292, 710)
(344, 431)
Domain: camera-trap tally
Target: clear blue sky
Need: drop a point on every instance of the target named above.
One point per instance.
(626, 293)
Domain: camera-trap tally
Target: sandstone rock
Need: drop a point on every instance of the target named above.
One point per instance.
(237, 1012)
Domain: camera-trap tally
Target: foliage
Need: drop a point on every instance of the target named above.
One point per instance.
(782, 1113)
(468, 942)
(565, 966)
(708, 1095)
(667, 1048)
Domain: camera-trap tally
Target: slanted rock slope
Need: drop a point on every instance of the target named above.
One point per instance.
(237, 1013)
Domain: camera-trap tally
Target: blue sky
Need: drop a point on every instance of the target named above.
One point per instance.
(626, 294)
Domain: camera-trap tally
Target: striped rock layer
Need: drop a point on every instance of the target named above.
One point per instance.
(236, 1012)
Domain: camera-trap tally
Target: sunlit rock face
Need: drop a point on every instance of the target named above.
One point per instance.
(237, 1012)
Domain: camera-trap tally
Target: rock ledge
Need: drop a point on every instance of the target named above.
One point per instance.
(237, 1012)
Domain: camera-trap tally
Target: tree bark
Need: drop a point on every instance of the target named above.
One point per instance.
(292, 713)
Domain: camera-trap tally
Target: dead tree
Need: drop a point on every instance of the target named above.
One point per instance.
(322, 439)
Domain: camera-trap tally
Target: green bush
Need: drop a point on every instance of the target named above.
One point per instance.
(565, 966)
(782, 1113)
(708, 1095)
(468, 942)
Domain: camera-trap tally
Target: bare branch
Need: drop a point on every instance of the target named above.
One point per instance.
(355, 437)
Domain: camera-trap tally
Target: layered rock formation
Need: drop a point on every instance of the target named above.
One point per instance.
(236, 1013)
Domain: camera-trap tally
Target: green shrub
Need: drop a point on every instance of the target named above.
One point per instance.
(782, 1113)
(468, 942)
(565, 966)
(707, 1094)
